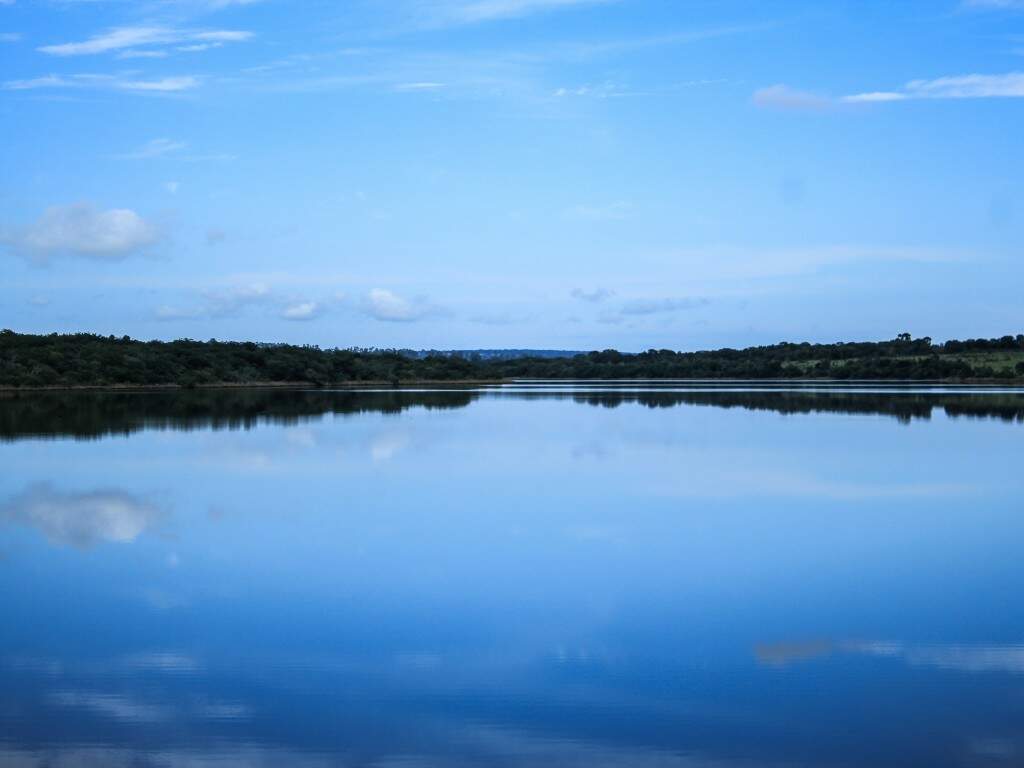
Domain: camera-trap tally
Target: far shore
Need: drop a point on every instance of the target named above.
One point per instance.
(406, 384)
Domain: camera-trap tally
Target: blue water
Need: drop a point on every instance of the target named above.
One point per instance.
(662, 576)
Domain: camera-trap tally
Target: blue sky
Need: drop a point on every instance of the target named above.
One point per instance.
(492, 173)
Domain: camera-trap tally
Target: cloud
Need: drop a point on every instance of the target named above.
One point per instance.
(422, 86)
(10, 37)
(1009, 85)
(305, 310)
(233, 300)
(974, 86)
(82, 229)
(595, 296)
(877, 96)
(222, 302)
(122, 38)
(454, 12)
(155, 148)
(165, 84)
(134, 54)
(382, 304)
(660, 306)
(82, 520)
(998, 5)
(784, 97)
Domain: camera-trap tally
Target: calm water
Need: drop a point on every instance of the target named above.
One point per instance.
(570, 575)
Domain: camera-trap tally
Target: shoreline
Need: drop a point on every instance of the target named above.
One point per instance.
(378, 384)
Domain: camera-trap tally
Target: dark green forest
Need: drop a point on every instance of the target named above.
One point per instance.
(89, 360)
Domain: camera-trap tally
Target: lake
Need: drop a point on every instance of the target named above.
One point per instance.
(568, 574)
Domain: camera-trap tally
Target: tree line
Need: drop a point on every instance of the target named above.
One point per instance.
(81, 359)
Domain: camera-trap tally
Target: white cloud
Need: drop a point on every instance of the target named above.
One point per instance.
(155, 148)
(1009, 85)
(1004, 5)
(172, 186)
(423, 86)
(784, 97)
(166, 84)
(382, 304)
(876, 96)
(82, 519)
(9, 37)
(81, 229)
(121, 38)
(132, 53)
(476, 11)
(46, 81)
(305, 310)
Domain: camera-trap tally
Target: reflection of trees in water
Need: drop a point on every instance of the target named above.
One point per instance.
(905, 407)
(87, 415)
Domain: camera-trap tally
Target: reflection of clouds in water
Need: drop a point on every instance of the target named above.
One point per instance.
(162, 661)
(960, 658)
(301, 437)
(488, 745)
(386, 446)
(163, 600)
(512, 746)
(81, 519)
(129, 709)
(722, 482)
(241, 756)
(113, 706)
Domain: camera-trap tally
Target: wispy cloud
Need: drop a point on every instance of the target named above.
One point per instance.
(237, 298)
(595, 296)
(1009, 85)
(154, 148)
(459, 12)
(973, 86)
(220, 302)
(125, 38)
(782, 96)
(110, 82)
(994, 5)
(656, 306)
(82, 229)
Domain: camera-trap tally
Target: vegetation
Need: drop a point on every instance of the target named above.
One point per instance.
(88, 360)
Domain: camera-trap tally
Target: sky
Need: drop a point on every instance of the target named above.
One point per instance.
(571, 174)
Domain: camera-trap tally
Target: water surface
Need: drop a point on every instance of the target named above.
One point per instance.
(574, 574)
